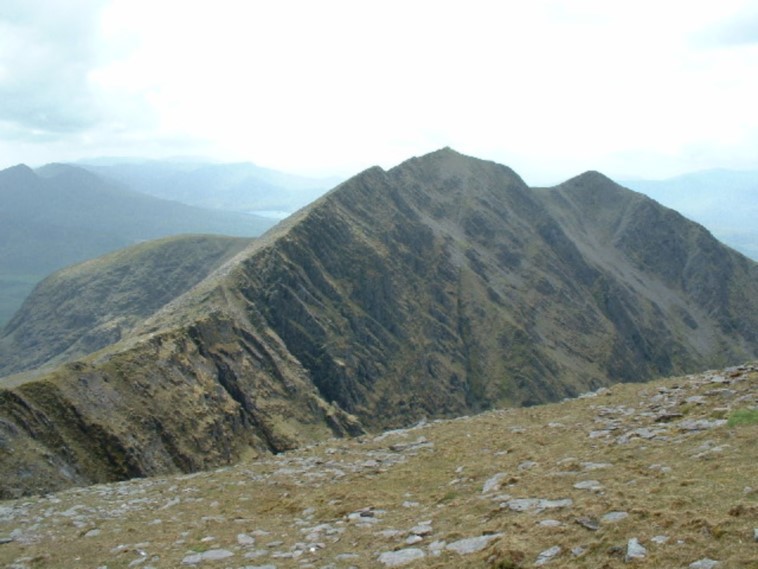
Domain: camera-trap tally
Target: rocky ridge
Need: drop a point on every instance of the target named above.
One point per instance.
(656, 475)
(439, 288)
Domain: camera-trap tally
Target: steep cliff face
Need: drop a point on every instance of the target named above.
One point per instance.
(443, 286)
(181, 400)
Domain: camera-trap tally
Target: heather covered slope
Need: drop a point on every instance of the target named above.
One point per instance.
(438, 288)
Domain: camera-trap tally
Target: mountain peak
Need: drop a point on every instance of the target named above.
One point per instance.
(441, 287)
(17, 174)
(591, 178)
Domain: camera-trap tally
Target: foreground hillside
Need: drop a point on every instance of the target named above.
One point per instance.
(441, 287)
(660, 475)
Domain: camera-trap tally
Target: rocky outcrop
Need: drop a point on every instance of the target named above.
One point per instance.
(441, 287)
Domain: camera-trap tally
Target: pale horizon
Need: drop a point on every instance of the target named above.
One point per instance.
(551, 89)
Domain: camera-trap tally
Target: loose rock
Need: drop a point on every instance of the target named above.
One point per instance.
(612, 517)
(704, 563)
(635, 550)
(471, 544)
(210, 555)
(547, 555)
(401, 557)
(493, 484)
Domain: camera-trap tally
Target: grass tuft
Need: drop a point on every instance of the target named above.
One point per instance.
(743, 417)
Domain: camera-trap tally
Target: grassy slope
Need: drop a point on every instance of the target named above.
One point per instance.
(697, 488)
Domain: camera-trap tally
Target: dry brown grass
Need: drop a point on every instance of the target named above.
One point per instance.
(700, 489)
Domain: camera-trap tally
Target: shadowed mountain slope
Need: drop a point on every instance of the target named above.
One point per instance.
(724, 201)
(440, 287)
(83, 308)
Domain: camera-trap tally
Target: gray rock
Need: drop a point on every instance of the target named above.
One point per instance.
(704, 563)
(413, 539)
(550, 523)
(254, 554)
(401, 557)
(592, 485)
(244, 539)
(547, 556)
(523, 504)
(210, 555)
(700, 424)
(635, 550)
(423, 528)
(660, 539)
(471, 544)
(578, 551)
(554, 504)
(588, 523)
(612, 517)
(437, 547)
(755, 534)
(216, 554)
(595, 465)
(492, 484)
(536, 504)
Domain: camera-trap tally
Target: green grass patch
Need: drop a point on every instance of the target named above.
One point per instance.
(743, 417)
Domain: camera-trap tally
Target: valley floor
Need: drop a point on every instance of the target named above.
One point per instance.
(662, 474)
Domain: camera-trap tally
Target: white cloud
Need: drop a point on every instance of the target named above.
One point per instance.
(548, 87)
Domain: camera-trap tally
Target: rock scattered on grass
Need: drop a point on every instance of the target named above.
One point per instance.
(588, 523)
(547, 556)
(613, 517)
(210, 555)
(634, 550)
(401, 557)
(493, 484)
(471, 544)
(592, 485)
(704, 563)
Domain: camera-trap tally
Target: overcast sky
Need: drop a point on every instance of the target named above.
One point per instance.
(634, 89)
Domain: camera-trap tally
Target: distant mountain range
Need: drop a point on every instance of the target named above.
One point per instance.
(441, 287)
(724, 201)
(242, 187)
(59, 215)
(35, 239)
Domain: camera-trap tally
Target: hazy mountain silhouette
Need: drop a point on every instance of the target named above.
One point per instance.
(60, 215)
(236, 187)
